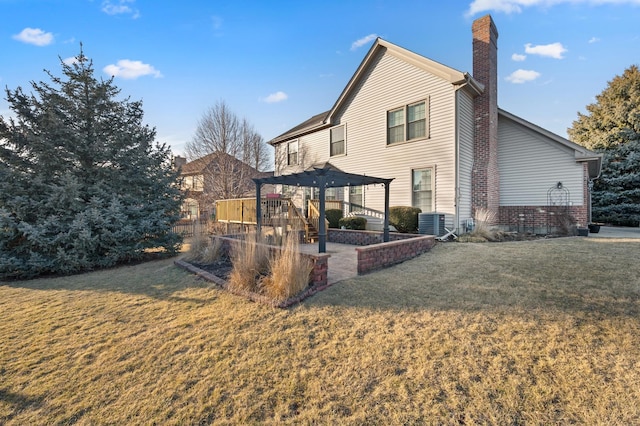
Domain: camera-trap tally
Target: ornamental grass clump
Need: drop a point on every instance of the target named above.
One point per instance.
(198, 245)
(483, 230)
(250, 261)
(289, 272)
(212, 251)
(484, 224)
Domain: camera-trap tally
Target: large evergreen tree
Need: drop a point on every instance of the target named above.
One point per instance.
(612, 126)
(82, 182)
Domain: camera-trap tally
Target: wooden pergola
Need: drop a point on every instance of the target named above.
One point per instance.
(324, 176)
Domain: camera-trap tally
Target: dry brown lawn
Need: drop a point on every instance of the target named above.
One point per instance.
(540, 332)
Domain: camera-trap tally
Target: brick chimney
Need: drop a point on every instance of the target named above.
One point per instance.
(178, 162)
(485, 175)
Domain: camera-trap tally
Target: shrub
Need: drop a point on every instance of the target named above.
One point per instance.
(289, 272)
(353, 222)
(333, 216)
(404, 219)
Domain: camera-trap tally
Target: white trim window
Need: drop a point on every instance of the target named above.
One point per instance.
(356, 198)
(292, 153)
(408, 122)
(422, 189)
(337, 142)
(193, 183)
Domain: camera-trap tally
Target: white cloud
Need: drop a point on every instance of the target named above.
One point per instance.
(516, 6)
(593, 40)
(518, 57)
(506, 6)
(34, 36)
(553, 50)
(275, 97)
(522, 76)
(364, 40)
(128, 69)
(120, 7)
(71, 60)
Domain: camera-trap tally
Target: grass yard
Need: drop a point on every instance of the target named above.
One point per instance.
(539, 332)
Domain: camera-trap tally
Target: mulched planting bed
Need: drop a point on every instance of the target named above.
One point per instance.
(221, 268)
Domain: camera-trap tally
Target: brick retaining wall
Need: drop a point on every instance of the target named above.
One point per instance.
(382, 255)
(363, 238)
(375, 254)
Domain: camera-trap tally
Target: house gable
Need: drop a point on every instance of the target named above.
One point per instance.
(322, 120)
(453, 76)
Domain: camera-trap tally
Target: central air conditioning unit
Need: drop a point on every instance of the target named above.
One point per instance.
(431, 224)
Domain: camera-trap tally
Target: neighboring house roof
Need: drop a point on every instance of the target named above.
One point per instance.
(198, 165)
(453, 76)
(582, 154)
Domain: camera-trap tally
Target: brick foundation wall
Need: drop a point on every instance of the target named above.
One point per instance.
(318, 275)
(540, 219)
(382, 255)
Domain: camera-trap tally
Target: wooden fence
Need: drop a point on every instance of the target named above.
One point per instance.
(189, 228)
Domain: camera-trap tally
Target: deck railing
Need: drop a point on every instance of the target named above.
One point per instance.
(364, 211)
(328, 205)
(278, 212)
(313, 211)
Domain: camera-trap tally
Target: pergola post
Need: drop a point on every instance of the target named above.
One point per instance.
(258, 210)
(322, 228)
(385, 229)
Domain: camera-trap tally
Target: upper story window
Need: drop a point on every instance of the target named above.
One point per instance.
(193, 183)
(292, 153)
(408, 122)
(337, 143)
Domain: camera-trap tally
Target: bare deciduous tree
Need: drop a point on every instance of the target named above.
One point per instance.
(235, 150)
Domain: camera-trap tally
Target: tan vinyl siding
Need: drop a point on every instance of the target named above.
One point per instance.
(530, 164)
(390, 83)
(465, 153)
(312, 149)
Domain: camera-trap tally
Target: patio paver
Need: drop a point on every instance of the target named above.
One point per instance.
(343, 262)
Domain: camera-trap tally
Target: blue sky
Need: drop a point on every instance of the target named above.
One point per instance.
(277, 63)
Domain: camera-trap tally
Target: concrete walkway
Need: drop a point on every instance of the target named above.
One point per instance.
(343, 262)
(616, 232)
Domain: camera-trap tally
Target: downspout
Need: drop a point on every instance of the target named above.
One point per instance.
(457, 157)
(468, 81)
(457, 154)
